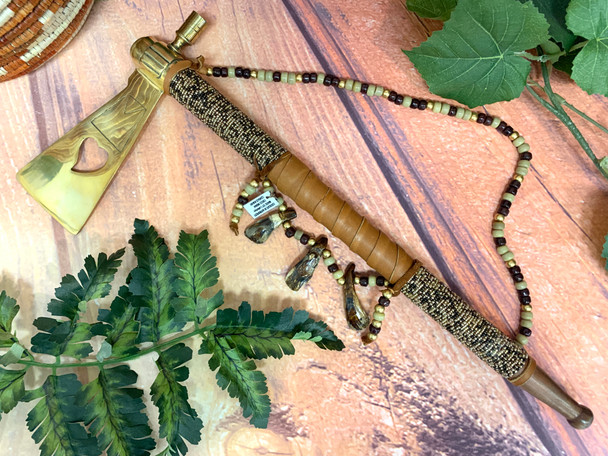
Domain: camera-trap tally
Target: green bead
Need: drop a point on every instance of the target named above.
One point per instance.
(445, 109)
(357, 87)
(237, 212)
(502, 249)
(320, 78)
(524, 163)
(498, 225)
(525, 147)
(459, 113)
(298, 234)
(372, 281)
(467, 114)
(338, 274)
(371, 88)
(507, 256)
(349, 84)
(437, 106)
(525, 323)
(249, 189)
(261, 75)
(508, 197)
(284, 76)
(291, 78)
(496, 122)
(407, 101)
(523, 340)
(378, 316)
(521, 285)
(231, 72)
(519, 141)
(329, 261)
(526, 316)
(268, 76)
(521, 170)
(379, 91)
(280, 200)
(498, 233)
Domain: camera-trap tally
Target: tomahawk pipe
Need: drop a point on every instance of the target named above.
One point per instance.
(70, 196)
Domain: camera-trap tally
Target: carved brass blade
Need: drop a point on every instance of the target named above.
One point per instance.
(69, 195)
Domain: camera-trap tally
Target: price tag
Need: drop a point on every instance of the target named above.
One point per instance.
(261, 204)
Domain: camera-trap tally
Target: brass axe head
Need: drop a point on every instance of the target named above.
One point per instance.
(71, 195)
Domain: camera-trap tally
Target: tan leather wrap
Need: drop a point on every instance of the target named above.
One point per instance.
(294, 179)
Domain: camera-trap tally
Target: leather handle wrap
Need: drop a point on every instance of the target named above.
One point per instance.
(295, 180)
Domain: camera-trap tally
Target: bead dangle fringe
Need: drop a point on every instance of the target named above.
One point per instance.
(439, 107)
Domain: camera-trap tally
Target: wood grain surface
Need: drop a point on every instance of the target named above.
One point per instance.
(430, 182)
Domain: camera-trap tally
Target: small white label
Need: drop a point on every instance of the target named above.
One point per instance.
(261, 204)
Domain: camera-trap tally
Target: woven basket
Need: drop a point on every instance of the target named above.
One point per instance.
(33, 31)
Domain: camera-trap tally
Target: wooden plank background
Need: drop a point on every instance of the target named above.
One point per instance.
(429, 181)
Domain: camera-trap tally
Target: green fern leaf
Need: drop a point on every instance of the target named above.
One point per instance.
(8, 312)
(196, 271)
(69, 337)
(12, 388)
(121, 329)
(56, 420)
(258, 335)
(178, 421)
(152, 284)
(113, 411)
(240, 378)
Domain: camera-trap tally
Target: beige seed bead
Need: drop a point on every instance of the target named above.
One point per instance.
(388, 294)
(282, 208)
(254, 183)
(377, 324)
(511, 263)
(371, 337)
(430, 105)
(513, 136)
(379, 308)
(387, 92)
(357, 280)
(473, 117)
(209, 71)
(341, 84)
(312, 241)
(244, 193)
(286, 225)
(341, 281)
(326, 253)
(266, 183)
(235, 219)
(499, 218)
(254, 74)
(526, 308)
(298, 77)
(238, 206)
(518, 177)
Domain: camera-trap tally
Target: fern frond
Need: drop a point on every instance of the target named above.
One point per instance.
(178, 421)
(121, 328)
(56, 420)
(8, 312)
(113, 411)
(12, 388)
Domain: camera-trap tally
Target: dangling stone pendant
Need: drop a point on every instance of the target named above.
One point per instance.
(355, 315)
(260, 231)
(302, 272)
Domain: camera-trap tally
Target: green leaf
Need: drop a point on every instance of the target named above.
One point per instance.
(204, 306)
(8, 311)
(121, 328)
(433, 9)
(12, 388)
(555, 13)
(474, 58)
(240, 378)
(113, 411)
(178, 421)
(152, 284)
(258, 335)
(589, 19)
(13, 355)
(605, 251)
(56, 420)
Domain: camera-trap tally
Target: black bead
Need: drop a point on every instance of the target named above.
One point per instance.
(363, 281)
(515, 270)
(238, 72)
(246, 73)
(503, 211)
(242, 200)
(364, 88)
(453, 110)
(306, 78)
(512, 190)
(518, 277)
(332, 268)
(505, 203)
(415, 103)
(289, 232)
(374, 330)
(399, 100)
(217, 72)
(481, 117)
(276, 76)
(327, 80)
(501, 126)
(422, 105)
(508, 131)
(488, 121)
(499, 241)
(392, 96)
(384, 301)
(224, 72)
(304, 239)
(515, 183)
(380, 281)
(525, 300)
(525, 156)
(523, 293)
(335, 81)
(313, 77)
(525, 331)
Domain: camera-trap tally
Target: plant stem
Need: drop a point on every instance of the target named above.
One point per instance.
(578, 46)
(582, 114)
(110, 361)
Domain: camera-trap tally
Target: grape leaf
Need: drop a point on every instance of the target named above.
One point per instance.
(196, 271)
(12, 388)
(122, 328)
(70, 337)
(433, 9)
(240, 378)
(474, 58)
(113, 411)
(56, 420)
(605, 252)
(589, 19)
(152, 284)
(555, 13)
(178, 421)
(8, 312)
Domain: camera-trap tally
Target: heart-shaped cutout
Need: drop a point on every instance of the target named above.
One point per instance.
(91, 157)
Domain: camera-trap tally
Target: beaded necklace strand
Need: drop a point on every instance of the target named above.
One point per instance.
(498, 225)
